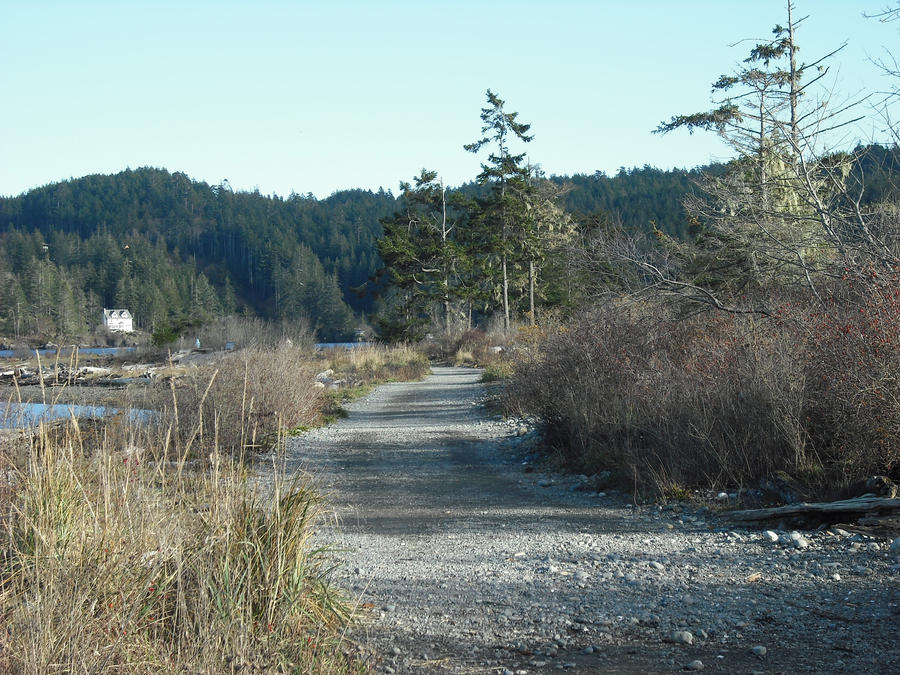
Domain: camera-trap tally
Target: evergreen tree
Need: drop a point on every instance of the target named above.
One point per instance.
(508, 176)
(771, 217)
(422, 258)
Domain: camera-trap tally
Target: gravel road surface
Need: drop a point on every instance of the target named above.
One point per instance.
(465, 560)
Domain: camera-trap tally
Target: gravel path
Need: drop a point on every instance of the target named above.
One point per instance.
(465, 561)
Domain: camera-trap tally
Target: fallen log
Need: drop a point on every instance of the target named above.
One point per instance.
(858, 506)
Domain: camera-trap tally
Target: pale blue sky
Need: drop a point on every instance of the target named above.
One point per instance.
(321, 96)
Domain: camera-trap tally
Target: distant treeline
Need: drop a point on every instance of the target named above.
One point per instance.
(178, 252)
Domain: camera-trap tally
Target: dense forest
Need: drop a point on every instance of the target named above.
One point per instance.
(179, 252)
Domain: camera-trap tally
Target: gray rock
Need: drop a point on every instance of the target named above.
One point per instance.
(895, 548)
(800, 542)
(696, 664)
(682, 637)
(658, 566)
(759, 651)
(587, 650)
(770, 537)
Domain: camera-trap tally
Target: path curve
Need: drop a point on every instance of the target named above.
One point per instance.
(472, 565)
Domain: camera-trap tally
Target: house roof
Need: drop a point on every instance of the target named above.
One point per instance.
(117, 313)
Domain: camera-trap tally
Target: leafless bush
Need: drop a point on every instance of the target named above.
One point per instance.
(708, 400)
(243, 401)
(472, 347)
(249, 332)
(852, 407)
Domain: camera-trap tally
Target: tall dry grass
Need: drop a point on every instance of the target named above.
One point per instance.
(157, 547)
(375, 364)
(241, 402)
(115, 558)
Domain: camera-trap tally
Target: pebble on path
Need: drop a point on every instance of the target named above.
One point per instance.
(895, 548)
(683, 637)
(759, 651)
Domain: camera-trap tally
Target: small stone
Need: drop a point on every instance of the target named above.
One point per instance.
(895, 548)
(722, 497)
(507, 671)
(545, 483)
(800, 543)
(658, 566)
(696, 664)
(683, 637)
(395, 651)
(770, 537)
(630, 578)
(759, 651)
(581, 576)
(587, 650)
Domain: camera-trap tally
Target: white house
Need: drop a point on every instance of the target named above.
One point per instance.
(118, 320)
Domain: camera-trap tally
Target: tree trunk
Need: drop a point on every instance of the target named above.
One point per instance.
(795, 80)
(531, 275)
(505, 296)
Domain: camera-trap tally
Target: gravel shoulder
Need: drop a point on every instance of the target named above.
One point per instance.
(463, 562)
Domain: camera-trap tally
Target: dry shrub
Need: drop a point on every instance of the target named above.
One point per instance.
(246, 332)
(472, 347)
(242, 401)
(716, 399)
(116, 560)
(707, 400)
(853, 347)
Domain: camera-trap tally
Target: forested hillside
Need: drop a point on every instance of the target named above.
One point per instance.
(179, 252)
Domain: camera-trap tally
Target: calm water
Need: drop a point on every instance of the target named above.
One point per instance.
(20, 415)
(102, 351)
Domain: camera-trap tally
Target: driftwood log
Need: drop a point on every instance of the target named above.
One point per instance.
(859, 506)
